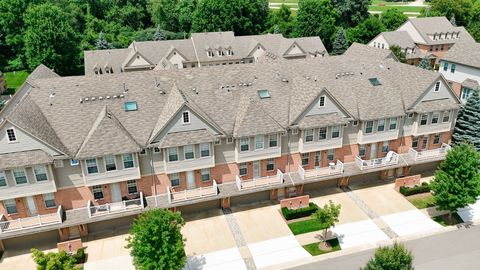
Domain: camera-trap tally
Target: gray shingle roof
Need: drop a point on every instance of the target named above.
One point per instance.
(186, 138)
(465, 53)
(25, 158)
(435, 105)
(431, 25)
(471, 84)
(399, 38)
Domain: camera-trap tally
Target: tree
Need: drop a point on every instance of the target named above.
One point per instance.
(316, 18)
(453, 21)
(244, 17)
(281, 21)
(460, 9)
(327, 216)
(456, 183)
(366, 31)
(156, 241)
(467, 127)
(425, 64)
(159, 35)
(50, 39)
(53, 260)
(392, 19)
(340, 44)
(474, 30)
(391, 258)
(399, 53)
(352, 12)
(102, 43)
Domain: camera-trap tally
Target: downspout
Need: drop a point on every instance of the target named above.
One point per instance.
(152, 171)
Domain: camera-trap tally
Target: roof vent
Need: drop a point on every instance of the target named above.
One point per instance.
(263, 94)
(86, 99)
(195, 90)
(121, 96)
(162, 92)
(374, 81)
(100, 98)
(107, 97)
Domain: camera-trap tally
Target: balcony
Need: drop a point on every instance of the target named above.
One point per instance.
(259, 182)
(103, 178)
(332, 169)
(305, 147)
(26, 190)
(429, 154)
(31, 222)
(116, 207)
(389, 160)
(431, 128)
(189, 165)
(266, 153)
(191, 194)
(373, 137)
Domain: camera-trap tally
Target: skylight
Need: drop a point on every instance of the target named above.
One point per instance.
(374, 81)
(130, 106)
(263, 93)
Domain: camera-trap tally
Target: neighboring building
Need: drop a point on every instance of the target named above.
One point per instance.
(429, 37)
(461, 67)
(78, 151)
(202, 49)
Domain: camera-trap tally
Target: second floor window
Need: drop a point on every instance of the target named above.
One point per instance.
(309, 135)
(92, 166)
(466, 93)
(435, 117)
(243, 169)
(445, 66)
(272, 140)
(40, 173)
(423, 119)
(20, 176)
(446, 116)
(172, 154)
(110, 164)
(258, 142)
(322, 133)
(453, 68)
(189, 152)
(204, 150)
(132, 186)
(335, 132)
(393, 123)
(368, 127)
(11, 206)
(128, 161)
(244, 144)
(3, 179)
(97, 192)
(381, 125)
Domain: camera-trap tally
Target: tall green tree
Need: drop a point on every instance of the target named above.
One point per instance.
(340, 44)
(392, 19)
(327, 216)
(50, 39)
(281, 21)
(391, 258)
(102, 43)
(352, 12)
(156, 241)
(366, 31)
(399, 53)
(459, 8)
(467, 126)
(244, 17)
(53, 260)
(456, 183)
(316, 18)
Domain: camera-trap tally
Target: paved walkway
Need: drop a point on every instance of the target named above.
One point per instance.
(277, 251)
(471, 212)
(410, 222)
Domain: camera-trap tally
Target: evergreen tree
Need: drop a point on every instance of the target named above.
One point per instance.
(102, 43)
(425, 64)
(467, 127)
(159, 35)
(276, 29)
(453, 21)
(391, 258)
(340, 44)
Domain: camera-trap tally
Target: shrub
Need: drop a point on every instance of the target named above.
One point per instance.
(79, 256)
(300, 212)
(407, 191)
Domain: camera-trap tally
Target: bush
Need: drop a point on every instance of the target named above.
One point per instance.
(79, 256)
(407, 191)
(300, 212)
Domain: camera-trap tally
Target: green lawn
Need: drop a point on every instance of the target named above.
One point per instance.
(15, 80)
(401, 9)
(378, 2)
(314, 250)
(443, 219)
(305, 226)
(424, 202)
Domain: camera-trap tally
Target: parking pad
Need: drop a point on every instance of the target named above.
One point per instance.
(219, 260)
(358, 234)
(410, 222)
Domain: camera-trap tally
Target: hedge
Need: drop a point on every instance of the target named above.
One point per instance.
(299, 212)
(407, 191)
(79, 256)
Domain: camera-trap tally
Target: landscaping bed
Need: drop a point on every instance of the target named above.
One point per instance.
(445, 221)
(305, 226)
(408, 191)
(289, 214)
(421, 201)
(314, 249)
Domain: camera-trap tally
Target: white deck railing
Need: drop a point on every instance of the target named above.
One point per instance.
(429, 154)
(389, 160)
(259, 181)
(32, 222)
(108, 208)
(190, 194)
(335, 168)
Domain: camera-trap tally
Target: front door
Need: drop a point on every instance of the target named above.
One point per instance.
(373, 150)
(425, 142)
(116, 193)
(32, 208)
(190, 180)
(256, 169)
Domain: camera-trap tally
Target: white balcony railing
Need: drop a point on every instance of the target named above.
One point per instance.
(109, 208)
(259, 182)
(190, 194)
(429, 154)
(32, 222)
(390, 159)
(332, 169)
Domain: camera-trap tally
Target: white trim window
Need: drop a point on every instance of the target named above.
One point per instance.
(385, 147)
(91, 165)
(204, 150)
(270, 164)
(110, 163)
(381, 125)
(20, 176)
(3, 179)
(446, 117)
(97, 192)
(244, 144)
(174, 179)
(11, 206)
(321, 101)
(436, 138)
(362, 150)
(186, 117)
(243, 169)
(128, 161)
(273, 140)
(415, 142)
(423, 119)
(437, 87)
(330, 154)
(309, 135)
(189, 152)
(435, 117)
(40, 173)
(259, 142)
(393, 123)
(172, 154)
(322, 133)
(335, 132)
(205, 174)
(132, 187)
(12, 137)
(49, 200)
(368, 127)
(305, 159)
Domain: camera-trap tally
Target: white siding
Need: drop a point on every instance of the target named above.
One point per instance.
(24, 142)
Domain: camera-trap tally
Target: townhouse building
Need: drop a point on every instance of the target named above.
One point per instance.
(76, 152)
(201, 49)
(419, 38)
(461, 67)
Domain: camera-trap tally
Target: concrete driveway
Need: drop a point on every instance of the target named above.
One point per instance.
(384, 200)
